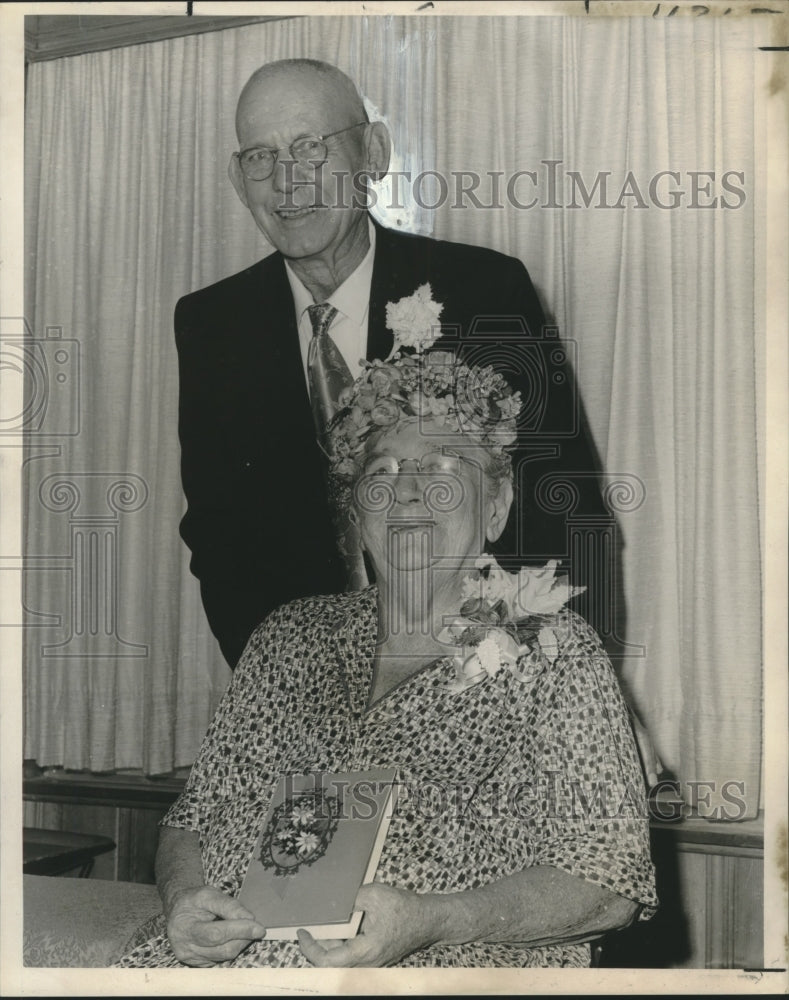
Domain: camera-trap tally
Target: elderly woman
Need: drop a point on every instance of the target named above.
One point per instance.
(473, 682)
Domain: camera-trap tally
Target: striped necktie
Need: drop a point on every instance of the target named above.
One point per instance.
(328, 375)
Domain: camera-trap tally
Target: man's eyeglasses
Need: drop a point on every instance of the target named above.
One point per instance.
(311, 151)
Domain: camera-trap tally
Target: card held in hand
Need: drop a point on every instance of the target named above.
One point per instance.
(320, 841)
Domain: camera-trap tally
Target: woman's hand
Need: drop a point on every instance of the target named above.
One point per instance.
(396, 922)
(206, 926)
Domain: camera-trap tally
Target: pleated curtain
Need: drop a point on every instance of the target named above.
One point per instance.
(129, 207)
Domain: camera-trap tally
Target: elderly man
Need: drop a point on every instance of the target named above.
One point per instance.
(259, 522)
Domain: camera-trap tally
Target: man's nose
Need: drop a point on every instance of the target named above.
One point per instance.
(283, 174)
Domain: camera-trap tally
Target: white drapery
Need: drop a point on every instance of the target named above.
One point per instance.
(128, 208)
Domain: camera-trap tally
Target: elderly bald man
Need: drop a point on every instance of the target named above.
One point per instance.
(259, 522)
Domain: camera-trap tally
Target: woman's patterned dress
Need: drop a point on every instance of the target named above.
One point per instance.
(503, 775)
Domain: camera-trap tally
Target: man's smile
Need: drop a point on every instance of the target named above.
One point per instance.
(289, 214)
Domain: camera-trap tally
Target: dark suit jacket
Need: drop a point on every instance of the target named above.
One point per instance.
(257, 522)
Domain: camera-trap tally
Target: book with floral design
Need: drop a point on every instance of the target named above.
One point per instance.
(320, 841)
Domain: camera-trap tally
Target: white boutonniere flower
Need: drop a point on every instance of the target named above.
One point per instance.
(414, 320)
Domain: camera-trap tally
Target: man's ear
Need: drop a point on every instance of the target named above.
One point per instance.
(499, 510)
(377, 148)
(237, 179)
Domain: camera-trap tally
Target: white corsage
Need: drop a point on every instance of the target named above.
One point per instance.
(507, 622)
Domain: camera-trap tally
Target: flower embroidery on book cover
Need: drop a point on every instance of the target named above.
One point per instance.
(299, 831)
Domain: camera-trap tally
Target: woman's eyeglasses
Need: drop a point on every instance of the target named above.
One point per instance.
(431, 463)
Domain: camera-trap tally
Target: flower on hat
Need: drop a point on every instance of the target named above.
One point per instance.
(416, 382)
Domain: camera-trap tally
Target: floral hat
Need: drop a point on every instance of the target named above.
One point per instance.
(473, 400)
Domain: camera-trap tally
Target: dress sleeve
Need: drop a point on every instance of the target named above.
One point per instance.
(588, 802)
(231, 733)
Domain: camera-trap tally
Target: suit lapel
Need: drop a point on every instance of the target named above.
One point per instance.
(402, 263)
(387, 286)
(266, 376)
(287, 383)
(282, 334)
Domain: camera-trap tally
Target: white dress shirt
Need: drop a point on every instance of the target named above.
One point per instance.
(352, 302)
